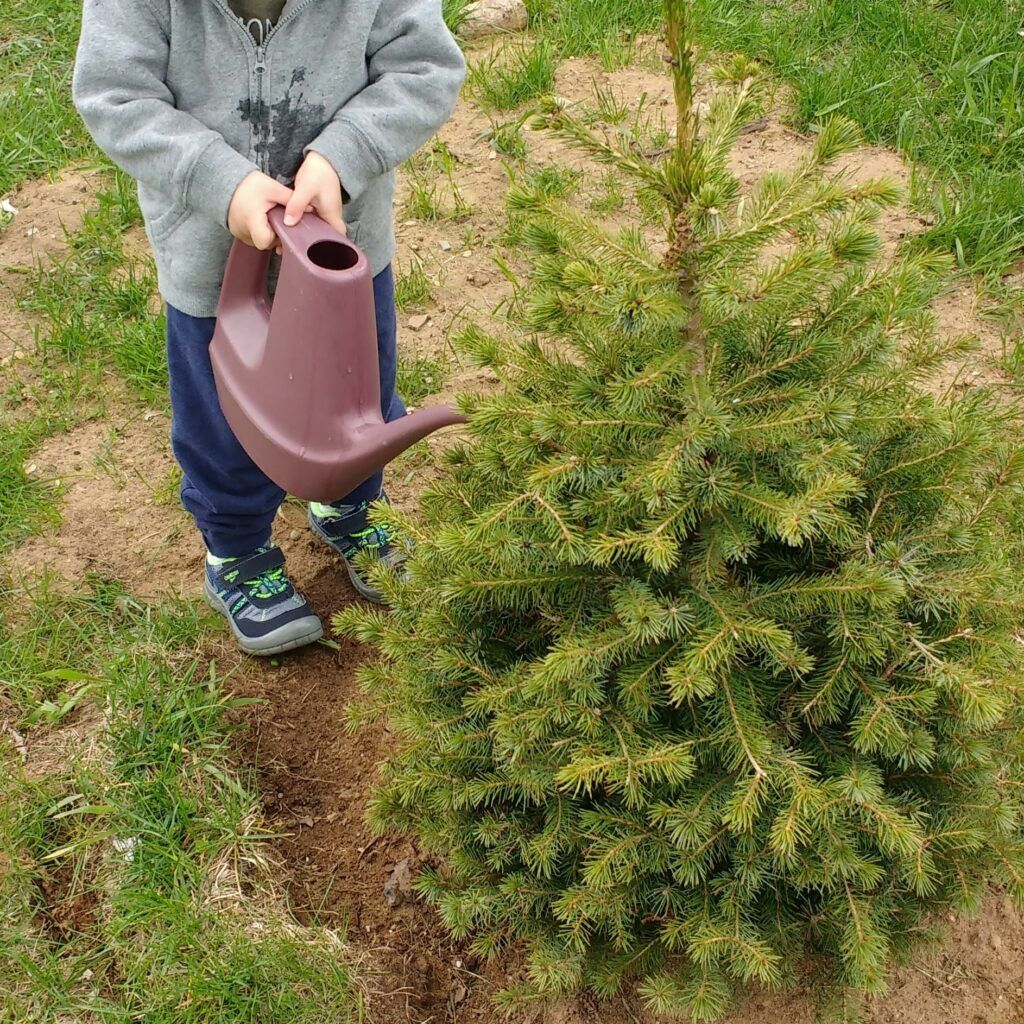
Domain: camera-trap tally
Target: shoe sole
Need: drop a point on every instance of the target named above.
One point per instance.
(362, 588)
(261, 649)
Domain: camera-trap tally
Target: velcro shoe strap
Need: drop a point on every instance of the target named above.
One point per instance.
(343, 526)
(251, 567)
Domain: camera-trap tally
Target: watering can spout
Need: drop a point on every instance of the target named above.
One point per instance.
(299, 380)
(401, 434)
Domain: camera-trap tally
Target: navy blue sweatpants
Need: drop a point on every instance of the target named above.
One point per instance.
(232, 500)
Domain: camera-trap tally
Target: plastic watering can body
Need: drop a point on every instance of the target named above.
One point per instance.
(299, 380)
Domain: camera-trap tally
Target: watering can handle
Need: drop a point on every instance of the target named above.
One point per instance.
(299, 238)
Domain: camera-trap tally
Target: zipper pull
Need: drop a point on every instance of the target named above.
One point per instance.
(260, 65)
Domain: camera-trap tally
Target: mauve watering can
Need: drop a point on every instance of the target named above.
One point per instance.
(299, 380)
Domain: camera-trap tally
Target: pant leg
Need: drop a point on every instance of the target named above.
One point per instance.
(231, 499)
(391, 405)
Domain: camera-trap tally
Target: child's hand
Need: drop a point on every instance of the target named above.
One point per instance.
(316, 188)
(254, 198)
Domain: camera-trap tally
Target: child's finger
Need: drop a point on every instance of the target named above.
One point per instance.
(263, 236)
(296, 205)
(333, 215)
(278, 194)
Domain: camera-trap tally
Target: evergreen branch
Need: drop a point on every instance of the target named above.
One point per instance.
(555, 118)
(570, 538)
(597, 244)
(730, 111)
(759, 772)
(926, 457)
(829, 197)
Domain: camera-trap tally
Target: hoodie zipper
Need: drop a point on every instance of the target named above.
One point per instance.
(263, 128)
(287, 16)
(263, 132)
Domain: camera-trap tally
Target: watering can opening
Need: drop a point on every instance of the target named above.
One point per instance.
(299, 379)
(333, 255)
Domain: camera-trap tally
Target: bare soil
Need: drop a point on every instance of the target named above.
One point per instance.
(121, 519)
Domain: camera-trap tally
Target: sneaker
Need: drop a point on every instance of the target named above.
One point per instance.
(265, 612)
(348, 532)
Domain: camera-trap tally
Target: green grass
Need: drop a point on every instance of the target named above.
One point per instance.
(611, 197)
(27, 503)
(94, 307)
(434, 195)
(513, 75)
(412, 287)
(51, 643)
(506, 138)
(942, 82)
(602, 27)
(419, 377)
(96, 300)
(40, 131)
(455, 13)
(122, 897)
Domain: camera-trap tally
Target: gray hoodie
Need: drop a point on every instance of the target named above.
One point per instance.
(179, 95)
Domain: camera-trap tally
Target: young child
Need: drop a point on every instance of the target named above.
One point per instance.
(223, 109)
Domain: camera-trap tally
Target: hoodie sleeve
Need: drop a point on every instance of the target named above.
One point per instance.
(120, 91)
(416, 70)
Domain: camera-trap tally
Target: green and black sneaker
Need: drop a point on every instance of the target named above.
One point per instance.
(347, 531)
(265, 612)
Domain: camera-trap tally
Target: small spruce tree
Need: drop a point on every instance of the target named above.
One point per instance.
(705, 659)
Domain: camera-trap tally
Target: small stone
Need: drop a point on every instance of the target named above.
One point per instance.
(446, 246)
(417, 323)
(467, 252)
(995, 942)
(399, 883)
(408, 223)
(488, 17)
(32, 232)
(294, 535)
